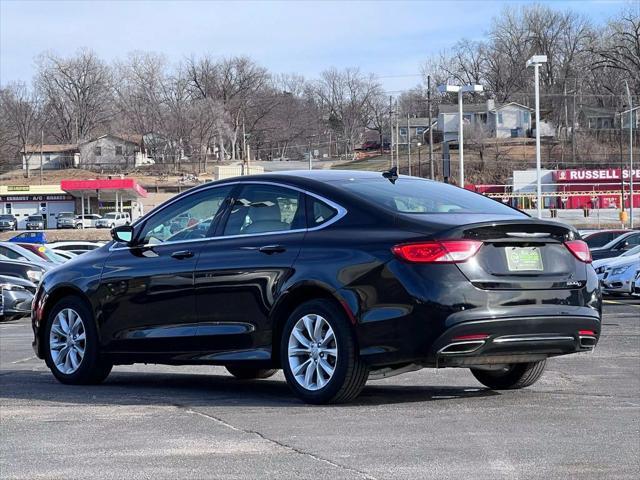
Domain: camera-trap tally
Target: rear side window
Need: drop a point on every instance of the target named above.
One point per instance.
(424, 197)
(319, 212)
(261, 209)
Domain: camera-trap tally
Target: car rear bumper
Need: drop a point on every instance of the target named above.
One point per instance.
(486, 340)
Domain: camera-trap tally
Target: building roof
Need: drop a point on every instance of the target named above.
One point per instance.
(597, 112)
(134, 138)
(477, 107)
(51, 148)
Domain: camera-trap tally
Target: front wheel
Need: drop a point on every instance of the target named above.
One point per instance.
(512, 377)
(250, 373)
(319, 355)
(72, 349)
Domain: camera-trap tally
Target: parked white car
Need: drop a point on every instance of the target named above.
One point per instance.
(618, 274)
(75, 247)
(114, 219)
(89, 220)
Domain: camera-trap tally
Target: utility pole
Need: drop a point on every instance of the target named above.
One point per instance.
(409, 143)
(310, 163)
(397, 115)
(535, 62)
(244, 150)
(391, 142)
(431, 174)
(41, 152)
(631, 171)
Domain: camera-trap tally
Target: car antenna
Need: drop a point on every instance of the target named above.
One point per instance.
(391, 174)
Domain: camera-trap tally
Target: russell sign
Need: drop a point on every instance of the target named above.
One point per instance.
(606, 174)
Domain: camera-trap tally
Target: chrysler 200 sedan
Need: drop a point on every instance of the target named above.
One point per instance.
(333, 277)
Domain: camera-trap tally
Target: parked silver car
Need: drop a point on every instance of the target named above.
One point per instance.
(114, 219)
(16, 295)
(35, 222)
(618, 274)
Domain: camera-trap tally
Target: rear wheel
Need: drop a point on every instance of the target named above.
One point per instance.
(512, 377)
(319, 356)
(250, 373)
(72, 350)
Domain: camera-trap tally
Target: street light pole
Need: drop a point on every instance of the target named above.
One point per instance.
(461, 138)
(630, 99)
(536, 61)
(460, 90)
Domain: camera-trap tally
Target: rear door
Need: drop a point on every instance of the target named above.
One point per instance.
(240, 273)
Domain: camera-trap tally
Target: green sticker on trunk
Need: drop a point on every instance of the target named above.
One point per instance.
(524, 258)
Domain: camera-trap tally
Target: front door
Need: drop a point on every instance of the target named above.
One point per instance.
(147, 291)
(240, 273)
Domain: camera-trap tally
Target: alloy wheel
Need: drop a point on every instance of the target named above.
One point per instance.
(312, 352)
(67, 341)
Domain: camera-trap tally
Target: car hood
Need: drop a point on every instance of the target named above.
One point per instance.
(616, 261)
(17, 281)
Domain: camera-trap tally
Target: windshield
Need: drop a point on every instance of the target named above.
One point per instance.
(51, 255)
(35, 218)
(424, 197)
(6, 217)
(66, 215)
(111, 215)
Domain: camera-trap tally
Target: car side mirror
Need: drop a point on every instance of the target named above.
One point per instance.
(123, 234)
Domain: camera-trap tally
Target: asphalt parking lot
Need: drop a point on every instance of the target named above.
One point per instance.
(581, 420)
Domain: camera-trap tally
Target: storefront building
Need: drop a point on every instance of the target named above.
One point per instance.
(24, 200)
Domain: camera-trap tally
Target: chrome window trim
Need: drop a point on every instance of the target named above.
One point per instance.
(340, 209)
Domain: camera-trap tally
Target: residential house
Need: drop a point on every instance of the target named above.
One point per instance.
(417, 129)
(499, 121)
(114, 151)
(596, 118)
(50, 157)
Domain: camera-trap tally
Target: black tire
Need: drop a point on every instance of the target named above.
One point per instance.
(517, 375)
(93, 368)
(350, 372)
(250, 373)
(78, 226)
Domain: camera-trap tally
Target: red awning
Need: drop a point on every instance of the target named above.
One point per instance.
(127, 188)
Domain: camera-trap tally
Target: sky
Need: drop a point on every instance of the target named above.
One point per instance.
(390, 39)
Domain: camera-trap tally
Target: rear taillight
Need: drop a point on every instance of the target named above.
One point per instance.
(446, 251)
(580, 250)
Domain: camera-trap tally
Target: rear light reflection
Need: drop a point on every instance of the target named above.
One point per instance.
(586, 332)
(580, 250)
(446, 251)
(479, 336)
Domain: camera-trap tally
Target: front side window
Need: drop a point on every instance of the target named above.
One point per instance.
(265, 209)
(187, 219)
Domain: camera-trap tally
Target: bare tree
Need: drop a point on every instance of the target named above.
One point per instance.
(77, 93)
(22, 112)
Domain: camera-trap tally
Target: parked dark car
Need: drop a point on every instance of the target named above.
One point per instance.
(335, 277)
(24, 270)
(602, 237)
(35, 222)
(370, 146)
(16, 295)
(617, 246)
(8, 222)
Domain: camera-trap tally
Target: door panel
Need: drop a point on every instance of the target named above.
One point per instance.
(239, 278)
(147, 292)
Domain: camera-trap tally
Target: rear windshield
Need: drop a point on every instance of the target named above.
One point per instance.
(422, 197)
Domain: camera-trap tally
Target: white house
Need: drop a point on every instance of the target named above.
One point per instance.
(54, 157)
(499, 121)
(114, 150)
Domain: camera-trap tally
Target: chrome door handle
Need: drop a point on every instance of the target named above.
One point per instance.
(181, 254)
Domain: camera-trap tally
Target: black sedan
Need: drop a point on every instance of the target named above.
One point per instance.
(617, 246)
(335, 277)
(16, 295)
